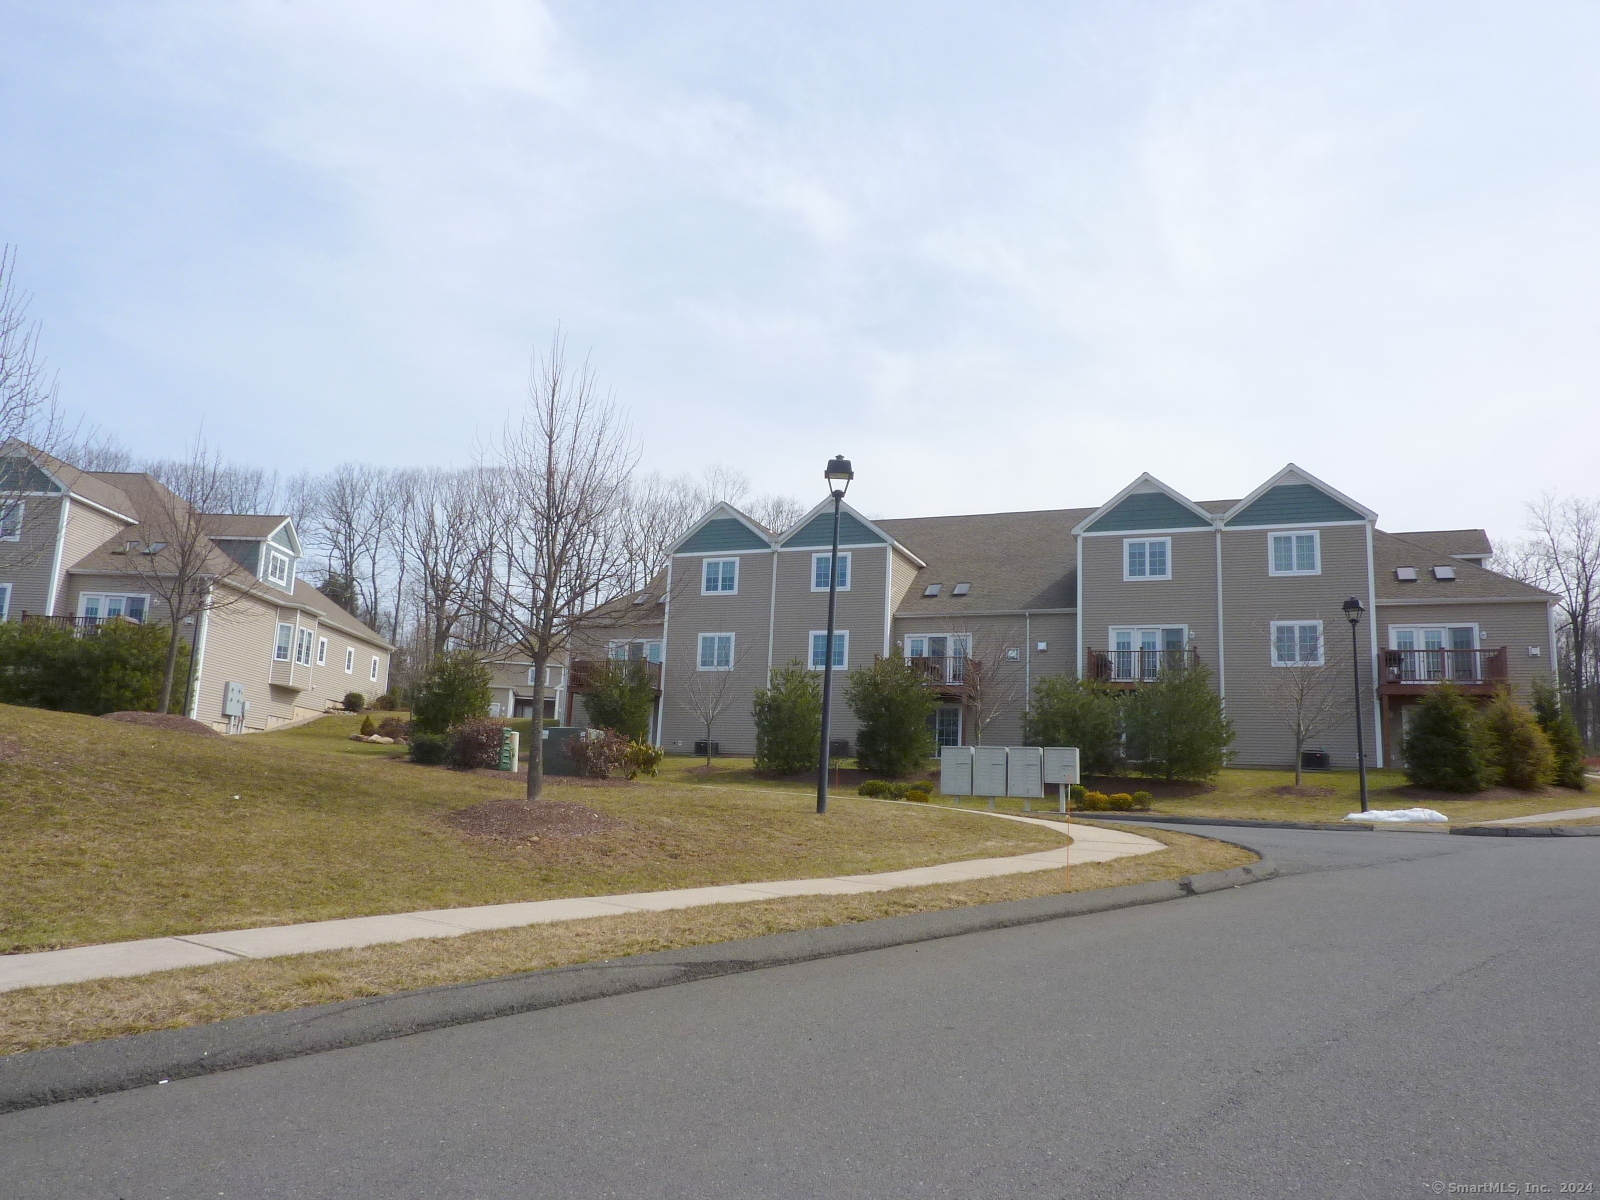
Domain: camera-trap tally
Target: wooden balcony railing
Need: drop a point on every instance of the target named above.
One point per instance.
(1484, 669)
(81, 626)
(1137, 666)
(952, 673)
(584, 671)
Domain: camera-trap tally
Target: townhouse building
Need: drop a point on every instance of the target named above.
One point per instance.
(987, 604)
(80, 548)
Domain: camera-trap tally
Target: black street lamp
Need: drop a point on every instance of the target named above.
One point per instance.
(838, 474)
(1353, 608)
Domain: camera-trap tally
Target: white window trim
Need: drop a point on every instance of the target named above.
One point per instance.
(1146, 541)
(1396, 630)
(279, 645)
(19, 508)
(1315, 534)
(5, 601)
(304, 641)
(322, 652)
(372, 676)
(843, 635)
(704, 563)
(349, 660)
(1322, 641)
(142, 597)
(273, 559)
(849, 573)
(700, 651)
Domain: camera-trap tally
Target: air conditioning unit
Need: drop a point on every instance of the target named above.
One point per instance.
(700, 749)
(839, 748)
(1314, 760)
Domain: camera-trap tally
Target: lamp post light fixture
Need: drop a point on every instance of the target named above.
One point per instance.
(838, 474)
(1353, 608)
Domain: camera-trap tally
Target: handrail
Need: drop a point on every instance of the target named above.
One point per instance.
(1138, 666)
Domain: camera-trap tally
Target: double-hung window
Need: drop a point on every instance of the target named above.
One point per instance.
(721, 575)
(373, 674)
(1297, 643)
(1296, 553)
(1432, 654)
(322, 652)
(716, 652)
(302, 647)
(349, 659)
(552, 676)
(820, 573)
(5, 601)
(102, 606)
(819, 649)
(1147, 558)
(11, 520)
(277, 569)
(285, 643)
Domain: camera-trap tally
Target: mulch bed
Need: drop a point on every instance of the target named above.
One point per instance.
(529, 820)
(1289, 789)
(1161, 789)
(170, 721)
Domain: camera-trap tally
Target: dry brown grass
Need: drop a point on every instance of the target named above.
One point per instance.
(35, 1018)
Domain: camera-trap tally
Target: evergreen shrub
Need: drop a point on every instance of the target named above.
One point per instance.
(1446, 747)
(622, 696)
(455, 688)
(1565, 742)
(1174, 726)
(1519, 752)
(788, 720)
(893, 703)
(1076, 712)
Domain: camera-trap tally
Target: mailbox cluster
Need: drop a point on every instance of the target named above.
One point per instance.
(1006, 770)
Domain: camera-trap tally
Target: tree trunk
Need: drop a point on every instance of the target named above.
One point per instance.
(1299, 763)
(708, 745)
(170, 668)
(536, 737)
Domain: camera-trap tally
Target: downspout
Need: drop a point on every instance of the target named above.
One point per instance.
(1379, 737)
(1027, 662)
(666, 616)
(888, 595)
(772, 613)
(1082, 604)
(1222, 653)
(199, 652)
(55, 561)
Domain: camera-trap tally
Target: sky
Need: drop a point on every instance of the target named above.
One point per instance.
(1001, 255)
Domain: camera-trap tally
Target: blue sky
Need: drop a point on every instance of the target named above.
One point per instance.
(1002, 255)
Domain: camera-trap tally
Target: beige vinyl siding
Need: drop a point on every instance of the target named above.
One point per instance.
(903, 575)
(800, 610)
(1253, 598)
(745, 614)
(1188, 598)
(1514, 626)
(87, 529)
(238, 649)
(25, 563)
(123, 585)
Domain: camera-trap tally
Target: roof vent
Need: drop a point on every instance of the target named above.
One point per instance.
(932, 589)
(642, 598)
(1444, 574)
(961, 589)
(1406, 574)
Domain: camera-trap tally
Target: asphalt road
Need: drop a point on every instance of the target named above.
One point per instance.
(1404, 1015)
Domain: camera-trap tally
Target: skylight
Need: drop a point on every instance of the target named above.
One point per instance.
(961, 589)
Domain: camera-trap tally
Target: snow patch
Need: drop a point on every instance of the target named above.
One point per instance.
(1416, 816)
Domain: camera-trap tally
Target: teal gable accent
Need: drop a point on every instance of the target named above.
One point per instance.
(819, 532)
(725, 533)
(1294, 504)
(281, 538)
(1147, 510)
(20, 475)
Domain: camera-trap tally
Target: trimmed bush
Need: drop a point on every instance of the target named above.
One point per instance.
(1076, 712)
(621, 697)
(599, 753)
(918, 796)
(454, 689)
(368, 726)
(788, 720)
(1175, 727)
(118, 668)
(641, 758)
(354, 702)
(394, 727)
(429, 749)
(386, 702)
(475, 744)
(1094, 802)
(883, 789)
(1141, 801)
(1446, 747)
(1519, 752)
(893, 703)
(1565, 742)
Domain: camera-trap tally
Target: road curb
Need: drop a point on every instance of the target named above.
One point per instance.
(1239, 822)
(1528, 830)
(42, 1077)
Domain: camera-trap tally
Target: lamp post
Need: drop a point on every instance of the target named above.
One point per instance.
(1353, 609)
(838, 474)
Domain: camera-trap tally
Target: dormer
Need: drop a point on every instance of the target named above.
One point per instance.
(266, 546)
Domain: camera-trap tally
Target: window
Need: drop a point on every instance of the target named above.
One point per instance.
(322, 652)
(11, 522)
(626, 651)
(373, 674)
(819, 649)
(1297, 643)
(1147, 558)
(552, 676)
(1433, 653)
(5, 600)
(280, 651)
(302, 647)
(721, 575)
(819, 572)
(942, 656)
(277, 568)
(1296, 554)
(1139, 654)
(102, 606)
(716, 652)
(349, 659)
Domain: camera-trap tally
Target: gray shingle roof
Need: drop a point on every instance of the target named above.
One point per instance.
(1472, 582)
(241, 525)
(1014, 561)
(92, 488)
(1451, 542)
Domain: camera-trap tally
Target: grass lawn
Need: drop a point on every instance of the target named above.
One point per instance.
(34, 1018)
(111, 831)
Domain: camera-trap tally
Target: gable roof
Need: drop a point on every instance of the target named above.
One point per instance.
(1472, 582)
(1014, 561)
(81, 484)
(1145, 504)
(722, 529)
(246, 526)
(1295, 497)
(1455, 543)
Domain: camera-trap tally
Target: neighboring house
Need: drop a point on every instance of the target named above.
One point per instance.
(987, 604)
(88, 546)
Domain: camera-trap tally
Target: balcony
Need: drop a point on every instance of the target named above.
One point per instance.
(80, 626)
(949, 675)
(1413, 672)
(1128, 668)
(585, 669)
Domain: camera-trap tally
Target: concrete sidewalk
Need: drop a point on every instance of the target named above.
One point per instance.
(1566, 814)
(1090, 844)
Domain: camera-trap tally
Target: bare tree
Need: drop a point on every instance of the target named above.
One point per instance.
(28, 408)
(174, 557)
(447, 540)
(708, 693)
(564, 467)
(995, 678)
(1310, 698)
(777, 512)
